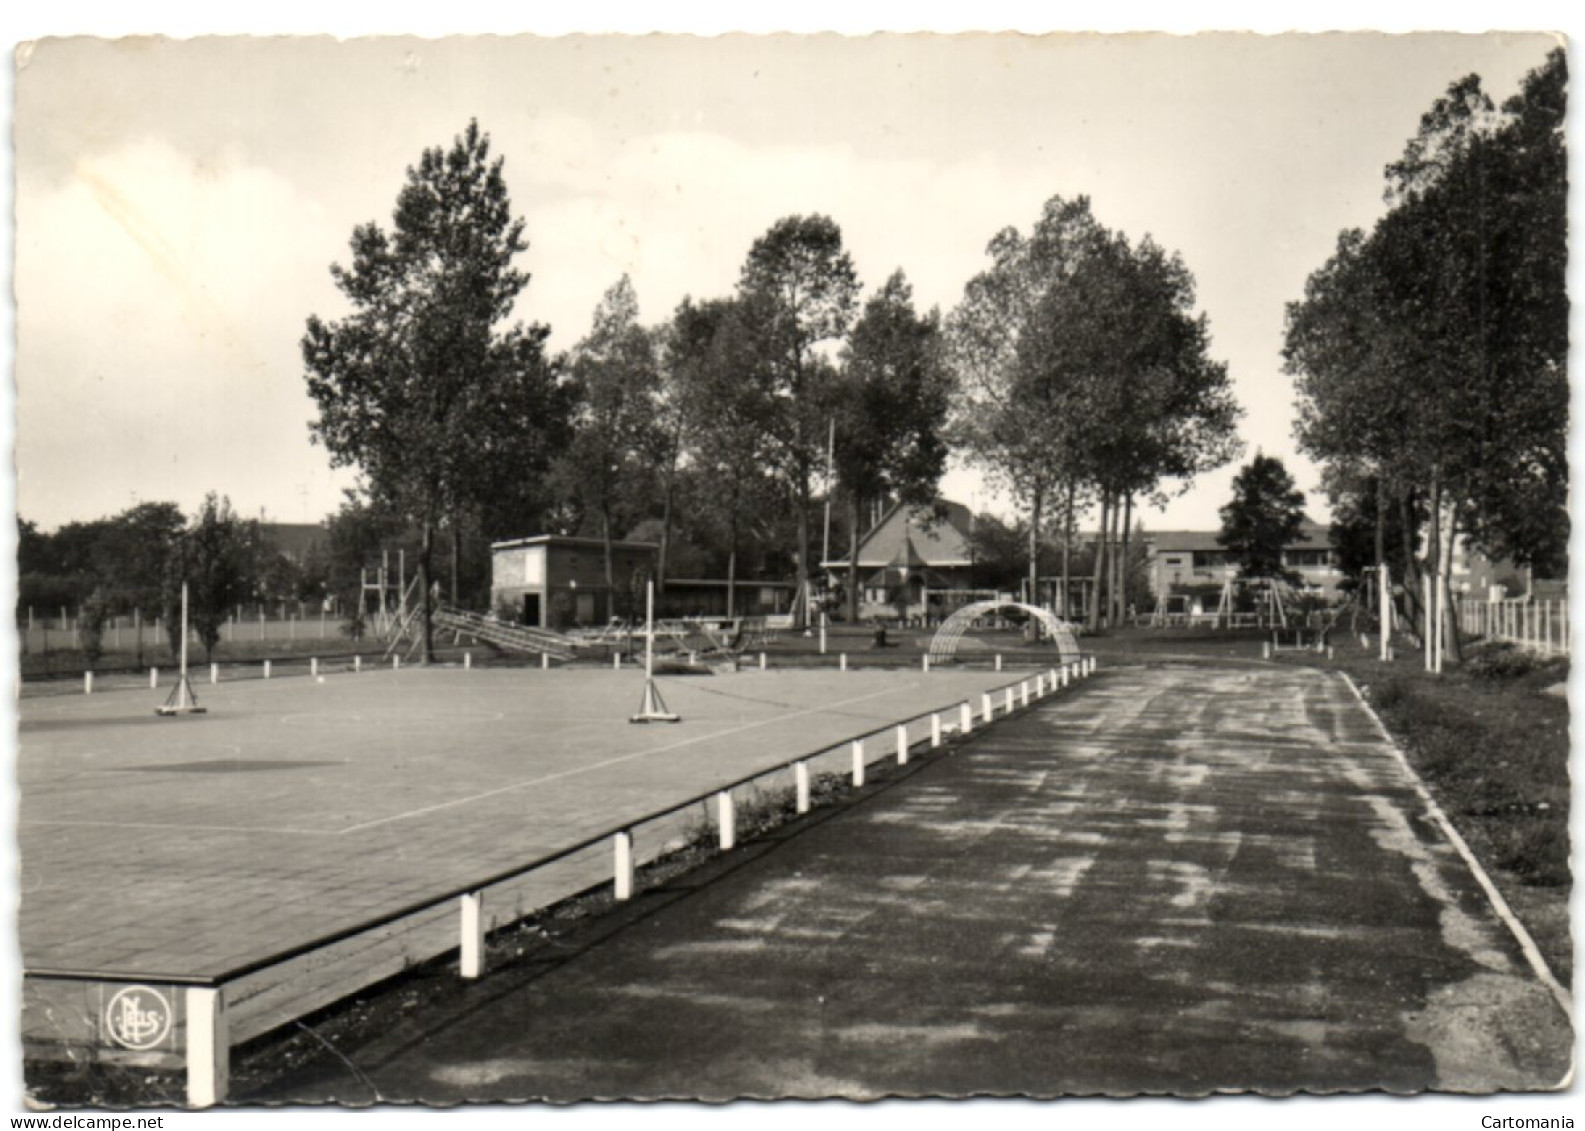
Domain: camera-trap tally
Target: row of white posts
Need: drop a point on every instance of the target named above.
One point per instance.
(313, 670)
(467, 662)
(208, 1043)
(1542, 626)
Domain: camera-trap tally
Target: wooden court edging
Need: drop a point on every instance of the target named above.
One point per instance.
(188, 1017)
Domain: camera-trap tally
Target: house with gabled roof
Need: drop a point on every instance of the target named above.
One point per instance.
(916, 560)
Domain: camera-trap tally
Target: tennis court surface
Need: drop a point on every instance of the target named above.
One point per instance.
(297, 807)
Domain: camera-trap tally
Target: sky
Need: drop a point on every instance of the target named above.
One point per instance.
(179, 203)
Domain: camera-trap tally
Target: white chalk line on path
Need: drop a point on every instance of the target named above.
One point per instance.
(1532, 953)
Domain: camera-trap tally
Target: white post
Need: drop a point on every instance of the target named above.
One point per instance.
(858, 762)
(986, 708)
(214, 673)
(1063, 674)
(1385, 578)
(623, 865)
(154, 678)
(998, 661)
(88, 683)
(396, 663)
(1441, 628)
(357, 663)
(183, 674)
(1023, 693)
(544, 660)
(926, 661)
(726, 817)
(266, 669)
(801, 785)
(1040, 685)
(1425, 618)
(261, 622)
(313, 665)
(965, 718)
(471, 961)
(842, 662)
(762, 661)
(822, 634)
(467, 661)
(902, 745)
(935, 730)
(208, 1046)
(1265, 649)
(1008, 708)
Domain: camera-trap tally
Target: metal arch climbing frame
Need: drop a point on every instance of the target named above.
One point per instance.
(944, 644)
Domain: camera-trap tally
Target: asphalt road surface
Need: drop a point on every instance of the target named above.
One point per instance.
(1179, 879)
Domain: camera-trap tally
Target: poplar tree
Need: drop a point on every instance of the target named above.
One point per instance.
(422, 385)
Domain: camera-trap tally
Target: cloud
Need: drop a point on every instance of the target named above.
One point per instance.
(160, 300)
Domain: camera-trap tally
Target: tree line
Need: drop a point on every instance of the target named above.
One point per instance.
(1430, 353)
(1074, 371)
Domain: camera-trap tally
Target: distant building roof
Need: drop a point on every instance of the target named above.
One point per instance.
(294, 539)
(571, 541)
(1312, 536)
(914, 536)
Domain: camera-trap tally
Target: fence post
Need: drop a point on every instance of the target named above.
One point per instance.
(926, 661)
(88, 683)
(762, 661)
(1009, 702)
(544, 661)
(208, 1046)
(266, 669)
(858, 762)
(726, 817)
(357, 662)
(935, 730)
(998, 661)
(313, 665)
(214, 673)
(1040, 685)
(471, 944)
(902, 745)
(801, 785)
(623, 864)
(966, 717)
(842, 662)
(1023, 693)
(154, 678)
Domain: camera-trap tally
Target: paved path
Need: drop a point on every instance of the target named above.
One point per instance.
(1178, 879)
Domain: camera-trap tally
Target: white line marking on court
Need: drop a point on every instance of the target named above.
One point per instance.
(1532, 953)
(193, 828)
(612, 762)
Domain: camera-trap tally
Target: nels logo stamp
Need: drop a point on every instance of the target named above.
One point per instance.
(138, 1018)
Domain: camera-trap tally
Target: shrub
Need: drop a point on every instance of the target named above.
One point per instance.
(1501, 660)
